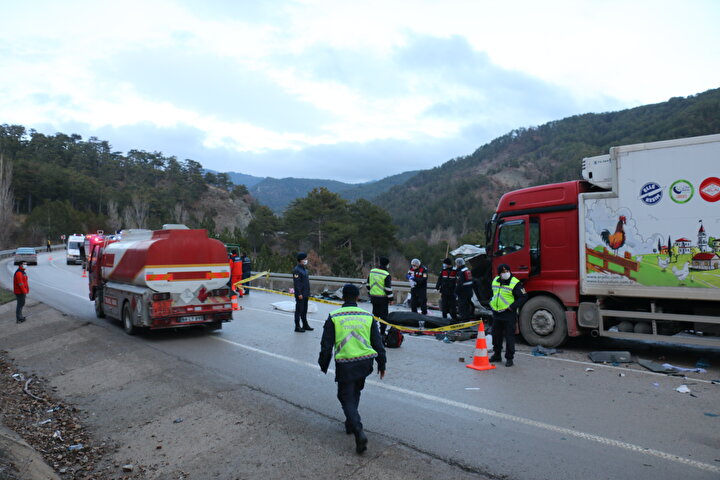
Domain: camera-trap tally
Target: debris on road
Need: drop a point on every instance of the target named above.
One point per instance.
(610, 357)
(683, 389)
(540, 351)
(681, 369)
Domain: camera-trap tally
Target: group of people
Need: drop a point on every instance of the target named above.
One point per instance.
(355, 338)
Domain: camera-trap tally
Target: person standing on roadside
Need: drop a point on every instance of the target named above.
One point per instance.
(246, 270)
(301, 285)
(235, 270)
(379, 285)
(21, 289)
(508, 297)
(464, 290)
(446, 286)
(355, 338)
(417, 276)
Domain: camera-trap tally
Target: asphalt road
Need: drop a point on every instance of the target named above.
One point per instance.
(559, 416)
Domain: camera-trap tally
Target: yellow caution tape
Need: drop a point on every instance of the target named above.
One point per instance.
(448, 328)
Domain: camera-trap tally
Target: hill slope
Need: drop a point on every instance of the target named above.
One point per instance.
(457, 197)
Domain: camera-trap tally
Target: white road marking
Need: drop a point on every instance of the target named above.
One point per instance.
(503, 416)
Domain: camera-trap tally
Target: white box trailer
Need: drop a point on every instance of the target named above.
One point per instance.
(650, 240)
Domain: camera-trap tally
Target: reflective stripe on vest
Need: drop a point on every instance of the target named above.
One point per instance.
(352, 334)
(376, 279)
(502, 294)
(466, 282)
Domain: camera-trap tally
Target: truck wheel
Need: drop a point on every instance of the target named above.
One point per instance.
(130, 329)
(542, 322)
(99, 312)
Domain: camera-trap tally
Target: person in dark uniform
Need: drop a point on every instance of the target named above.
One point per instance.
(417, 276)
(379, 285)
(464, 290)
(508, 297)
(355, 338)
(446, 286)
(246, 269)
(301, 285)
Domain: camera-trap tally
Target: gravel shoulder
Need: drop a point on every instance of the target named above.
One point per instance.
(141, 413)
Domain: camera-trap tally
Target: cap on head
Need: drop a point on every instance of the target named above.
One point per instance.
(447, 261)
(350, 291)
(503, 267)
(384, 261)
(460, 262)
(415, 262)
(234, 251)
(301, 256)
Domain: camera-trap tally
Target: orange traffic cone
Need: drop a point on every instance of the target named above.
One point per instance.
(84, 274)
(234, 300)
(480, 357)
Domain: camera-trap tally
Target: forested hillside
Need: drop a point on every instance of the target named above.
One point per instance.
(63, 184)
(455, 199)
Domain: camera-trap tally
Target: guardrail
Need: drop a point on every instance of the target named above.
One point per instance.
(280, 281)
(10, 253)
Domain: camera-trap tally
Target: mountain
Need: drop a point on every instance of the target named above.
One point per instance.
(278, 193)
(244, 179)
(455, 199)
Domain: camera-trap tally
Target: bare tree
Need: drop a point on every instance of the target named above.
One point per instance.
(114, 220)
(136, 215)
(6, 201)
(180, 215)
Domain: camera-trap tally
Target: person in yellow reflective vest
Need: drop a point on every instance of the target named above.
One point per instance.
(355, 338)
(508, 297)
(379, 285)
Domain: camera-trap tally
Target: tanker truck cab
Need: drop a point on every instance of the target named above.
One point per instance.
(169, 278)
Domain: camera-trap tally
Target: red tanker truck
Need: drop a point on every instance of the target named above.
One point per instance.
(169, 278)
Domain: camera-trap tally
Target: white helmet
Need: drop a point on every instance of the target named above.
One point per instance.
(415, 262)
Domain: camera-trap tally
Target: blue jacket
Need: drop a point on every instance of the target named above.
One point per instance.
(301, 281)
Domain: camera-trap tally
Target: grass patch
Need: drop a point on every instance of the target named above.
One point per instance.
(6, 296)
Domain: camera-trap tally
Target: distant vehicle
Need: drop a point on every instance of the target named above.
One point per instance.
(25, 254)
(75, 249)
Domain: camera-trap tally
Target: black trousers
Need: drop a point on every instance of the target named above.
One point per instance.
(448, 304)
(380, 310)
(20, 304)
(349, 396)
(465, 305)
(244, 276)
(504, 329)
(418, 299)
(301, 307)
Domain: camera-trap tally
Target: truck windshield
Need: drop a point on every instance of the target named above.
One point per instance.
(74, 245)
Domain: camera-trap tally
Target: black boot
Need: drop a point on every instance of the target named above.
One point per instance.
(496, 357)
(360, 441)
(307, 327)
(298, 329)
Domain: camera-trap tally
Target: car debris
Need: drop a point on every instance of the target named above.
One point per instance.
(610, 357)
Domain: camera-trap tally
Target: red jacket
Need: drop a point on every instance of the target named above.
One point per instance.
(20, 283)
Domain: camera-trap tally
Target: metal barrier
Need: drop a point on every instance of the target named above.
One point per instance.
(280, 281)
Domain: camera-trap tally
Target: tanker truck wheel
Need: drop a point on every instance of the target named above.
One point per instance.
(542, 322)
(99, 312)
(128, 326)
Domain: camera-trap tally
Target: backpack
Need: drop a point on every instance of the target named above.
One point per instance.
(393, 338)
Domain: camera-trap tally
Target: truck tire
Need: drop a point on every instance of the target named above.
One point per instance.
(99, 312)
(542, 322)
(128, 326)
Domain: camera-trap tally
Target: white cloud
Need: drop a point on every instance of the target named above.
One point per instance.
(311, 76)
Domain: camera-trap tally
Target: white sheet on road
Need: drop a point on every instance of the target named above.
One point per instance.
(289, 306)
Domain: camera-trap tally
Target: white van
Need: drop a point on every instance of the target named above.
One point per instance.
(75, 249)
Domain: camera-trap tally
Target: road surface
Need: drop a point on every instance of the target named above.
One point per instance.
(559, 416)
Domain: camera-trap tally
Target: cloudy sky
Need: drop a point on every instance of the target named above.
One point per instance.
(348, 90)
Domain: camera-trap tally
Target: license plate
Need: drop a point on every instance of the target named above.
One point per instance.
(195, 318)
